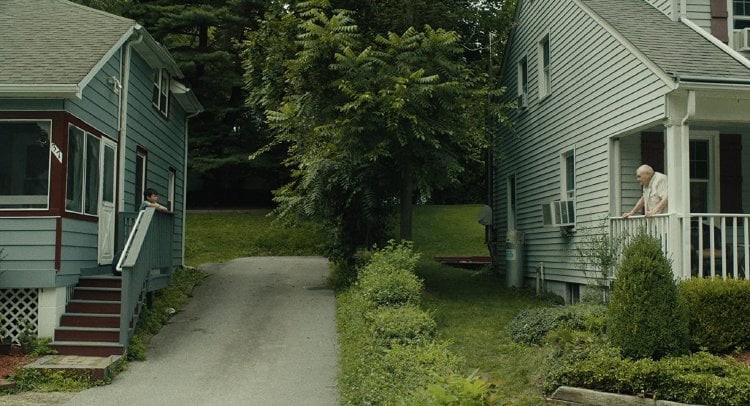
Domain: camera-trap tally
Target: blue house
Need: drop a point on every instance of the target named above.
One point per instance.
(91, 113)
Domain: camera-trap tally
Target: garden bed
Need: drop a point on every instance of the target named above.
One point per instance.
(16, 358)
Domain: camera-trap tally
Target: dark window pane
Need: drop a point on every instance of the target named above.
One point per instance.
(74, 198)
(24, 164)
(92, 175)
(108, 181)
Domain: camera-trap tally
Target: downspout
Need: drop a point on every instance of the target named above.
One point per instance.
(123, 119)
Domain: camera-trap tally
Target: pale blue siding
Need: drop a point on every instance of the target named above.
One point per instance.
(600, 90)
(699, 12)
(79, 245)
(100, 104)
(665, 6)
(163, 139)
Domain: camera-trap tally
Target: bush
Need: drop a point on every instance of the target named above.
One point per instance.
(645, 317)
(393, 257)
(530, 326)
(455, 390)
(700, 378)
(401, 325)
(394, 287)
(718, 312)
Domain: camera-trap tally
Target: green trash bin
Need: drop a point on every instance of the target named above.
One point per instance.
(514, 259)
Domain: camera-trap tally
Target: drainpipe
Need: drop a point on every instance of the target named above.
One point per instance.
(123, 118)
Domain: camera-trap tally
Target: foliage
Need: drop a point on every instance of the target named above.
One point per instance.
(700, 378)
(41, 380)
(530, 326)
(454, 390)
(369, 120)
(218, 237)
(164, 305)
(598, 252)
(645, 318)
(719, 313)
(396, 287)
(33, 345)
(401, 325)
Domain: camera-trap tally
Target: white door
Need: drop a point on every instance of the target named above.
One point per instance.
(107, 202)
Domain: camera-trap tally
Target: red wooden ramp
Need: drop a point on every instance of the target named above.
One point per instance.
(468, 262)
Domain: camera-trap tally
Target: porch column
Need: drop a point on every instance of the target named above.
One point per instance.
(677, 154)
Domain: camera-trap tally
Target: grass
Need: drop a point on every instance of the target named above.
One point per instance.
(472, 308)
(219, 237)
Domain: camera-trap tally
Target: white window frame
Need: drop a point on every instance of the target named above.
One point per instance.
(565, 192)
(732, 17)
(172, 177)
(160, 97)
(84, 174)
(522, 88)
(712, 188)
(543, 70)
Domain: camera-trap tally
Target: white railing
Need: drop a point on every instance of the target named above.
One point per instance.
(719, 243)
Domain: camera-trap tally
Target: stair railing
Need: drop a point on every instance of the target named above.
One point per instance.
(148, 248)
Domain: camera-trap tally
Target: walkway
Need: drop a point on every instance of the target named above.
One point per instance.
(258, 331)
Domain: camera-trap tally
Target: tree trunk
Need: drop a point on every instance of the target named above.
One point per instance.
(407, 197)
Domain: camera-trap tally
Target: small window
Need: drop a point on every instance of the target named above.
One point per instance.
(568, 175)
(160, 96)
(24, 164)
(741, 11)
(523, 82)
(170, 188)
(545, 87)
(82, 180)
(140, 176)
(699, 176)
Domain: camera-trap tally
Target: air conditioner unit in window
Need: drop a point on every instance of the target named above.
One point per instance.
(742, 39)
(522, 101)
(560, 213)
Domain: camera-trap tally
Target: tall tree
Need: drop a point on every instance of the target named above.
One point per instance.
(369, 122)
(205, 38)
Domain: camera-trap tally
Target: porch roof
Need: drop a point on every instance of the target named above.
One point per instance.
(674, 47)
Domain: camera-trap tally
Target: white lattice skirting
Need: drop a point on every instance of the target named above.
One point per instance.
(19, 308)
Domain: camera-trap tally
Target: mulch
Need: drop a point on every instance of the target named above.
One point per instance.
(16, 358)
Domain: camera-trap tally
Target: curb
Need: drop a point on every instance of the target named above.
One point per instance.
(569, 396)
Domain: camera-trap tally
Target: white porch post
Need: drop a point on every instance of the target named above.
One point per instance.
(677, 154)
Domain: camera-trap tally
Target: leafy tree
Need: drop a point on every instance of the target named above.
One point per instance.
(370, 122)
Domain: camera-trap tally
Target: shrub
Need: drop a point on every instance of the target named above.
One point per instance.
(530, 326)
(718, 312)
(700, 378)
(394, 287)
(401, 325)
(395, 256)
(454, 390)
(645, 317)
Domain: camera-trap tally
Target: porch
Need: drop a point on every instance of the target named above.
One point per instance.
(705, 244)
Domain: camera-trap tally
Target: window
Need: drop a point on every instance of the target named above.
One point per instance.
(741, 12)
(170, 189)
(568, 175)
(511, 185)
(544, 67)
(140, 176)
(699, 176)
(160, 96)
(82, 193)
(24, 164)
(523, 82)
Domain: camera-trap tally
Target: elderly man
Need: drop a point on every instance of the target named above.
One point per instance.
(654, 197)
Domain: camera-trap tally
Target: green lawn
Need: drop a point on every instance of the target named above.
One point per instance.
(472, 308)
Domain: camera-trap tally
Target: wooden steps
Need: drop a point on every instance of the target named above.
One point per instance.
(90, 325)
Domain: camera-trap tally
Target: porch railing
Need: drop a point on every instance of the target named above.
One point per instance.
(718, 245)
(148, 248)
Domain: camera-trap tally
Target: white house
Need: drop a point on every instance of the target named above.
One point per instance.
(604, 86)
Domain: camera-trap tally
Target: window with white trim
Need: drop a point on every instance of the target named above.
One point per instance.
(82, 185)
(741, 13)
(523, 82)
(568, 175)
(170, 188)
(24, 164)
(543, 56)
(160, 96)
(699, 175)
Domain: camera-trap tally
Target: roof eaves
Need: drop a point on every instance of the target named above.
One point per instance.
(105, 58)
(664, 76)
(37, 91)
(155, 54)
(185, 97)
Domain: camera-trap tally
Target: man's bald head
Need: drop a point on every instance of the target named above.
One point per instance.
(644, 173)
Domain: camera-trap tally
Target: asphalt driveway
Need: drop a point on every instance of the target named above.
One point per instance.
(258, 331)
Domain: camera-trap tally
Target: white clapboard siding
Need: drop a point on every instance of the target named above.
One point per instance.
(665, 6)
(699, 12)
(599, 90)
